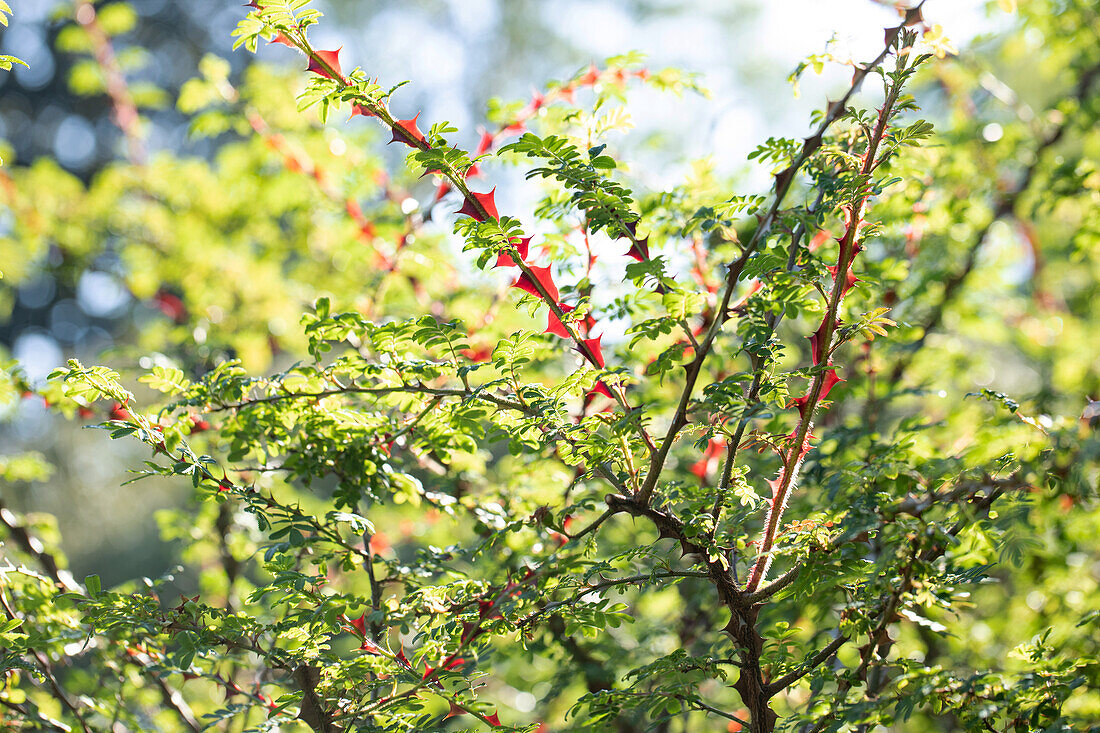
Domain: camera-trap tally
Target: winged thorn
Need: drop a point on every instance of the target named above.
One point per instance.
(331, 58)
(849, 281)
(484, 201)
(361, 110)
(593, 352)
(554, 324)
(359, 624)
(639, 249)
(775, 484)
(817, 348)
(485, 143)
(522, 245)
(282, 39)
(542, 277)
(406, 131)
(831, 380)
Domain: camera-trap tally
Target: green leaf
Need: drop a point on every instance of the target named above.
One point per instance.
(91, 582)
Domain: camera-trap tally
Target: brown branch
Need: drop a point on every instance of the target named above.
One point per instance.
(889, 605)
(64, 581)
(914, 506)
(313, 712)
(771, 321)
(379, 110)
(46, 670)
(641, 578)
(808, 666)
(378, 391)
(783, 183)
(854, 214)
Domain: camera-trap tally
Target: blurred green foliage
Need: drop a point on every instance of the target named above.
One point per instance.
(399, 484)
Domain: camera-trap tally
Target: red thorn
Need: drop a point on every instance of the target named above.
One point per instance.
(400, 656)
(478, 353)
(603, 389)
(487, 202)
(361, 111)
(427, 672)
(850, 279)
(816, 347)
(485, 143)
(775, 484)
(452, 662)
(493, 720)
(819, 239)
(542, 276)
(282, 39)
(715, 447)
(554, 324)
(593, 352)
(118, 412)
(522, 245)
(443, 190)
(171, 306)
(590, 77)
(831, 380)
(470, 631)
(406, 131)
(332, 58)
(714, 450)
(486, 610)
(639, 249)
(455, 710)
(359, 624)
